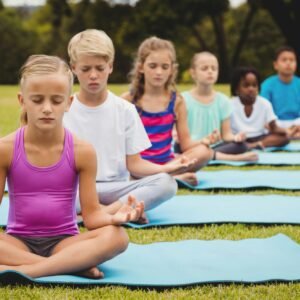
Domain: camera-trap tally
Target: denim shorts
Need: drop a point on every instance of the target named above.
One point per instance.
(42, 246)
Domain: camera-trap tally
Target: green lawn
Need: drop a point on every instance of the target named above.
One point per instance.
(9, 114)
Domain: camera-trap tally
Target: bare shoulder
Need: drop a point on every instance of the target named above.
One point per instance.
(127, 96)
(179, 103)
(85, 153)
(6, 149)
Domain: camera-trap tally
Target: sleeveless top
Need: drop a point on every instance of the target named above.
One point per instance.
(42, 199)
(159, 127)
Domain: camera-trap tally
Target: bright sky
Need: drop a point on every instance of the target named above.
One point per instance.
(234, 3)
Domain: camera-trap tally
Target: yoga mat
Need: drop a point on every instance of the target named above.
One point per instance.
(208, 209)
(237, 179)
(212, 209)
(291, 147)
(191, 262)
(4, 211)
(265, 158)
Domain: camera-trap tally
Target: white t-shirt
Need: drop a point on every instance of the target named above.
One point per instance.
(115, 130)
(255, 124)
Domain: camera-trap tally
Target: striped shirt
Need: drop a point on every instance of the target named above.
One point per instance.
(159, 127)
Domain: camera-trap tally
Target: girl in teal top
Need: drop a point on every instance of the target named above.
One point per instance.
(209, 110)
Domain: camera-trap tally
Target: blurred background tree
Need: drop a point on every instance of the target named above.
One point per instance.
(247, 35)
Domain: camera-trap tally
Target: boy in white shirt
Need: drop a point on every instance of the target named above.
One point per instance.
(113, 126)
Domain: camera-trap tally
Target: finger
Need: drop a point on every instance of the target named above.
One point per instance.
(130, 200)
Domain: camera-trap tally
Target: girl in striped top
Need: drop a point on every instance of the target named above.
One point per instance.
(161, 107)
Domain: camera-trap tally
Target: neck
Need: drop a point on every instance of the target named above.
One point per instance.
(44, 138)
(203, 90)
(154, 91)
(92, 99)
(286, 78)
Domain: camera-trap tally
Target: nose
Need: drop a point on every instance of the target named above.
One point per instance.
(93, 74)
(47, 107)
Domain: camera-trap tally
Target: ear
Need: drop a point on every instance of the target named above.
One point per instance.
(275, 65)
(192, 73)
(111, 68)
(73, 69)
(140, 68)
(70, 100)
(21, 99)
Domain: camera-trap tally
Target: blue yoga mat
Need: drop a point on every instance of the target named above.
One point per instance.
(265, 158)
(207, 209)
(4, 211)
(291, 147)
(236, 179)
(191, 262)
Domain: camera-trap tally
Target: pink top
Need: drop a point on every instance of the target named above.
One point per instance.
(42, 199)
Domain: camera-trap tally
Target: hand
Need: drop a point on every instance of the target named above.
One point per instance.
(179, 165)
(130, 211)
(212, 138)
(239, 137)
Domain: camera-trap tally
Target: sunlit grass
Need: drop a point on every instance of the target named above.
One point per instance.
(9, 121)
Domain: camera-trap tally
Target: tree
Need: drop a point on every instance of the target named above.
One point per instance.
(286, 14)
(16, 45)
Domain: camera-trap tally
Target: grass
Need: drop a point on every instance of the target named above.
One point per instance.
(9, 116)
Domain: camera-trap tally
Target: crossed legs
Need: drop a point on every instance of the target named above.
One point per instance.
(78, 254)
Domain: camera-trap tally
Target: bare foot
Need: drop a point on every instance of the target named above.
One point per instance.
(293, 132)
(8, 268)
(247, 156)
(188, 177)
(93, 273)
(143, 219)
(256, 145)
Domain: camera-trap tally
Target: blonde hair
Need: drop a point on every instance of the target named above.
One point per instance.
(37, 65)
(144, 50)
(91, 42)
(199, 54)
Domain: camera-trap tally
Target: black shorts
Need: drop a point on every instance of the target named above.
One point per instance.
(42, 246)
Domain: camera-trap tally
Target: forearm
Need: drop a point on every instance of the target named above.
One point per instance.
(229, 137)
(142, 168)
(97, 219)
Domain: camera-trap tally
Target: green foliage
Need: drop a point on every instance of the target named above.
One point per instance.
(16, 44)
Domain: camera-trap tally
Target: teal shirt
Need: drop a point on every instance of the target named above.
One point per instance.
(205, 118)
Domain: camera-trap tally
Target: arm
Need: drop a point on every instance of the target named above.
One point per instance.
(183, 132)
(93, 216)
(274, 128)
(6, 154)
(140, 167)
(227, 135)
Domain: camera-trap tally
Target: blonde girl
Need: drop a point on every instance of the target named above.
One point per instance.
(43, 164)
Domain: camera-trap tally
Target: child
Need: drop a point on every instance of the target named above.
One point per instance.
(209, 110)
(43, 163)
(160, 107)
(283, 91)
(252, 113)
(113, 127)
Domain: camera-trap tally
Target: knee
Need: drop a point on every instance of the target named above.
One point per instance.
(118, 235)
(205, 152)
(168, 185)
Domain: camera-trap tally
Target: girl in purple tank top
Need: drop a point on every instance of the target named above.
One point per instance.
(161, 107)
(43, 164)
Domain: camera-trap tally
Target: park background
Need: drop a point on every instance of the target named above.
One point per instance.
(247, 34)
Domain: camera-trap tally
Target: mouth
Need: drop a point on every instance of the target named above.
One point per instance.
(93, 85)
(46, 119)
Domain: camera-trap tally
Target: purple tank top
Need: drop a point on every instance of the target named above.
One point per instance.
(42, 199)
